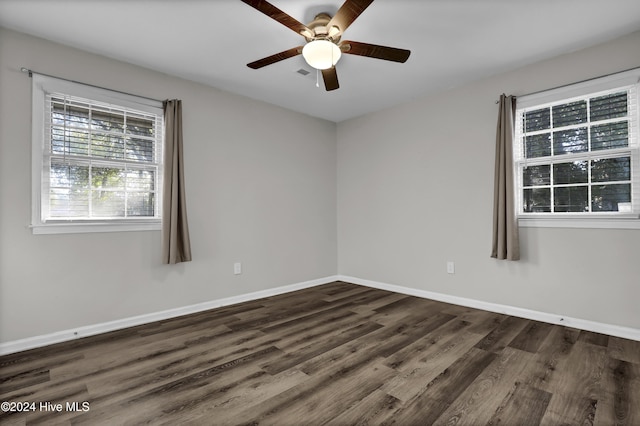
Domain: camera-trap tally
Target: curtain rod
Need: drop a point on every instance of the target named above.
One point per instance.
(31, 72)
(576, 82)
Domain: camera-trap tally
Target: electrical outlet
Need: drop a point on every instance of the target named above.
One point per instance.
(451, 267)
(237, 268)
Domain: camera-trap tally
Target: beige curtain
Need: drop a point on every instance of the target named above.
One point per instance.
(176, 246)
(506, 240)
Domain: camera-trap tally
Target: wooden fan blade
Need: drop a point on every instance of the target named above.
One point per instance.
(330, 77)
(375, 51)
(276, 14)
(275, 58)
(348, 13)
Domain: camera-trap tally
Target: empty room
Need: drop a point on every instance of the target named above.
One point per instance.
(244, 212)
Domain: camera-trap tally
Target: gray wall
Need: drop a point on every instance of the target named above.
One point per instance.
(412, 188)
(261, 189)
(415, 189)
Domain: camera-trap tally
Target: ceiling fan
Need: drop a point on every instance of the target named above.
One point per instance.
(324, 47)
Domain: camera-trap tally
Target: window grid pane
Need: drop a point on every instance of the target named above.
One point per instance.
(568, 187)
(96, 191)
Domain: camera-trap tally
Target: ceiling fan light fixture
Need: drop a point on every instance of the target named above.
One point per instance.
(321, 54)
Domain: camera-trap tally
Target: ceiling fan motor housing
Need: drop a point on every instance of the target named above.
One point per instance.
(320, 30)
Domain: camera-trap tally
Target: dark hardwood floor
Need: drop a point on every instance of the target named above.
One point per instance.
(337, 354)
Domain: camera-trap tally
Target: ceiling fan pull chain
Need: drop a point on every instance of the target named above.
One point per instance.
(317, 78)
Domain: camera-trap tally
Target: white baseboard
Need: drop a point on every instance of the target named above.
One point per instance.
(90, 330)
(582, 324)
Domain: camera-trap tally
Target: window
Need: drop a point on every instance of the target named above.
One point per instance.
(576, 154)
(97, 159)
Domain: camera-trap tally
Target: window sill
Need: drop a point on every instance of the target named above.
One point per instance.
(628, 222)
(83, 228)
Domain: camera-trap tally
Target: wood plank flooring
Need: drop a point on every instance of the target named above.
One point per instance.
(337, 354)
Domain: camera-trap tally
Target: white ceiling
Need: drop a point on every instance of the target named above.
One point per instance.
(211, 41)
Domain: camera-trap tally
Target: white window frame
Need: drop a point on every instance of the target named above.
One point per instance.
(566, 94)
(42, 86)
